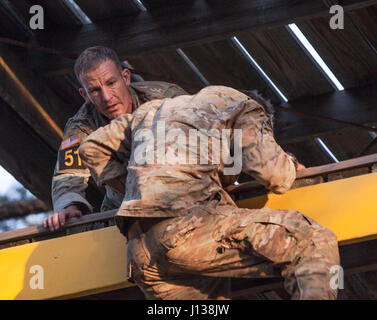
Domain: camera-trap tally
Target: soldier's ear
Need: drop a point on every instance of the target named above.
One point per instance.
(82, 92)
(126, 74)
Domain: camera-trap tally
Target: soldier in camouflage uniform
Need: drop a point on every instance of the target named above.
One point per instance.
(185, 234)
(108, 93)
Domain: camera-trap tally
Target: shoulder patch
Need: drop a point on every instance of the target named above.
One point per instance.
(69, 158)
(71, 141)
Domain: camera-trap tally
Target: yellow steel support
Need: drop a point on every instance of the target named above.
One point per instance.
(348, 206)
(66, 267)
(95, 261)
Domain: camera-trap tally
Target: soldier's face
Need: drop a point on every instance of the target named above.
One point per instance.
(106, 87)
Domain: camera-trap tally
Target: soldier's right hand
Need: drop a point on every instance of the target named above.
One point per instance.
(300, 166)
(57, 220)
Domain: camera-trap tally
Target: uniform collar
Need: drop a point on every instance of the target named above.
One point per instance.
(135, 98)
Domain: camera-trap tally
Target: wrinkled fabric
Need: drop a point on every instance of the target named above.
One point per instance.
(190, 257)
(185, 234)
(69, 184)
(175, 187)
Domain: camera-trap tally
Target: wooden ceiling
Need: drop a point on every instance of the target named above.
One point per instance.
(38, 91)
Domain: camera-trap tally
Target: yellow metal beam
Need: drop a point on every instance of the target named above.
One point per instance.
(347, 206)
(95, 261)
(66, 267)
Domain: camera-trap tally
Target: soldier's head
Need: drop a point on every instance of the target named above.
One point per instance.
(104, 83)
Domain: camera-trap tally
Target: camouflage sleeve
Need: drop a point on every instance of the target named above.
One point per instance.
(174, 91)
(106, 151)
(262, 157)
(70, 178)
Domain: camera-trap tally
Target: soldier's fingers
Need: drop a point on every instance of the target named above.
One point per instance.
(50, 223)
(56, 221)
(75, 213)
(62, 218)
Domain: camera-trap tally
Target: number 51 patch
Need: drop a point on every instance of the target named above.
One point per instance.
(69, 157)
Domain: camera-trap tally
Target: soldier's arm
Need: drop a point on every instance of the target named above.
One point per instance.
(262, 157)
(106, 151)
(70, 179)
(174, 91)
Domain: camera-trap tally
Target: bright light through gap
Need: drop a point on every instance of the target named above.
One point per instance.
(140, 5)
(255, 64)
(305, 42)
(373, 134)
(192, 66)
(78, 11)
(326, 149)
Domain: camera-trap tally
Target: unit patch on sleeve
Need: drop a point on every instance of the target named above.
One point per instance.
(69, 157)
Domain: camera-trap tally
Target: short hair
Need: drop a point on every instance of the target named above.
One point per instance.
(92, 57)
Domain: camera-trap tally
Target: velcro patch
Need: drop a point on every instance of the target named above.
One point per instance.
(71, 141)
(70, 159)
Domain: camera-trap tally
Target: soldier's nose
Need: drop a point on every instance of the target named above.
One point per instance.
(106, 96)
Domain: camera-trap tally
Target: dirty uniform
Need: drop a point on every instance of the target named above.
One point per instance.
(70, 178)
(185, 234)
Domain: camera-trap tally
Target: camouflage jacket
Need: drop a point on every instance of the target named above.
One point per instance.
(70, 178)
(168, 171)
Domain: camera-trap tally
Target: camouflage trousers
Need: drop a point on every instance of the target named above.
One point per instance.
(190, 257)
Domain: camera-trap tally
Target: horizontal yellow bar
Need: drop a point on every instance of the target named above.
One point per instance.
(95, 261)
(66, 267)
(347, 206)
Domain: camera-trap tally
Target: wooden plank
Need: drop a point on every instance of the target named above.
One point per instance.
(21, 208)
(169, 28)
(104, 9)
(67, 91)
(308, 151)
(344, 51)
(357, 105)
(336, 167)
(39, 230)
(9, 27)
(25, 154)
(286, 64)
(155, 4)
(222, 64)
(348, 143)
(24, 91)
(314, 171)
(169, 67)
(365, 20)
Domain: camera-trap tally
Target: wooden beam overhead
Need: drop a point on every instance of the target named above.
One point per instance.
(24, 91)
(168, 27)
(24, 154)
(356, 105)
